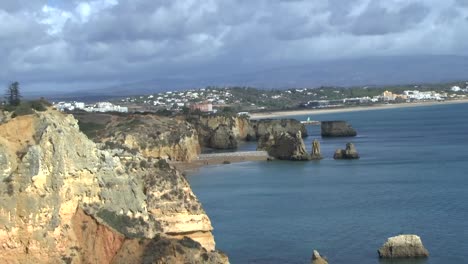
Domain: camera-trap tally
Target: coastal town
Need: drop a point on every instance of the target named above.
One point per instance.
(245, 99)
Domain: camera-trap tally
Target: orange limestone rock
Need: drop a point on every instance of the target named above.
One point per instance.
(65, 200)
(153, 136)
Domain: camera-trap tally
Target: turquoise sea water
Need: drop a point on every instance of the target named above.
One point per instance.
(412, 178)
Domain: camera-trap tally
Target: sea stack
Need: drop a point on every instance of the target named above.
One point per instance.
(349, 153)
(403, 246)
(284, 146)
(317, 259)
(316, 155)
(337, 129)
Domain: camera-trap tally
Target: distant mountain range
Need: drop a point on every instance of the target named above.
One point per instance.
(371, 71)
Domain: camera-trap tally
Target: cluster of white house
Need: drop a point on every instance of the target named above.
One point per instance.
(409, 96)
(458, 89)
(183, 98)
(387, 96)
(98, 107)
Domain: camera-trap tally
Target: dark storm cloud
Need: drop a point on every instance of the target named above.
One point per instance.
(378, 20)
(113, 41)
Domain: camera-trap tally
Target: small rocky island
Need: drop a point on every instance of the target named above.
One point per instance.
(317, 258)
(403, 246)
(349, 153)
(337, 129)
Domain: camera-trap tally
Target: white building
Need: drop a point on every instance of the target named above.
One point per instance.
(455, 89)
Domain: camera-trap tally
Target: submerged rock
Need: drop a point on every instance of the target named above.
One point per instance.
(403, 246)
(284, 146)
(337, 129)
(349, 153)
(317, 259)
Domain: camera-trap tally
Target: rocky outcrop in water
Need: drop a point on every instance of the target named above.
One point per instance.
(276, 126)
(403, 246)
(317, 259)
(316, 153)
(153, 136)
(222, 132)
(284, 146)
(64, 200)
(349, 153)
(337, 129)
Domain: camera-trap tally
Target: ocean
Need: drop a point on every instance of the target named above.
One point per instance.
(412, 178)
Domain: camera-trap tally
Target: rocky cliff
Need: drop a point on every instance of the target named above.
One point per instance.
(277, 126)
(284, 146)
(222, 132)
(3, 116)
(403, 246)
(337, 129)
(153, 136)
(64, 200)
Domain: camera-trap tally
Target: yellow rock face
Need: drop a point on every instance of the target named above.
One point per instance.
(64, 200)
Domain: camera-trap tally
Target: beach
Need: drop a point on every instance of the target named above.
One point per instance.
(275, 114)
(220, 158)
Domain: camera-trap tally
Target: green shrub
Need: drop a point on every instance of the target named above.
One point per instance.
(24, 108)
(27, 107)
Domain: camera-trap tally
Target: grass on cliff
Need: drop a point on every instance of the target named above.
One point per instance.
(27, 107)
(90, 129)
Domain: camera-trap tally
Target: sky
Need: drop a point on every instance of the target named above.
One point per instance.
(70, 45)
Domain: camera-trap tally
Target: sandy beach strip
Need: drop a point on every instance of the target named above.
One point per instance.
(350, 109)
(218, 159)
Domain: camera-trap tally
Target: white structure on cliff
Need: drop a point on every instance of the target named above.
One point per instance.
(106, 107)
(70, 106)
(99, 107)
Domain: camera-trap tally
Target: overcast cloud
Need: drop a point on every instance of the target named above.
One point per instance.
(76, 44)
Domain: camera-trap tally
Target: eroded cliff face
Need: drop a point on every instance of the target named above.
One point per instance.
(222, 132)
(277, 126)
(64, 200)
(3, 116)
(153, 136)
(284, 146)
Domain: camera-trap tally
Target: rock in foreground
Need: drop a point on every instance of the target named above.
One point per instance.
(337, 129)
(284, 146)
(403, 246)
(65, 200)
(349, 153)
(317, 259)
